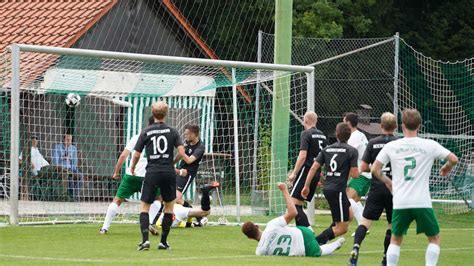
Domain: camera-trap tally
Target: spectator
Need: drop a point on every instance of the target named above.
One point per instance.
(37, 159)
(65, 157)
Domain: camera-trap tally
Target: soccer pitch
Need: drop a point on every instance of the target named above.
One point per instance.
(212, 245)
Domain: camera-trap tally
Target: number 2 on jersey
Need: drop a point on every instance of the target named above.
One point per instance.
(157, 147)
(409, 167)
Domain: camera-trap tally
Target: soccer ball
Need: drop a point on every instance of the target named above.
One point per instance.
(73, 99)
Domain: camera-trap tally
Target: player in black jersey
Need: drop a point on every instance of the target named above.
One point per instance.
(312, 141)
(341, 162)
(159, 140)
(379, 196)
(186, 172)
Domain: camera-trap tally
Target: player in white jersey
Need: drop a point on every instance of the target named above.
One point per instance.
(278, 239)
(129, 184)
(357, 187)
(411, 159)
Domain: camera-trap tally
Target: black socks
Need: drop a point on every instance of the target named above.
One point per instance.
(166, 226)
(144, 224)
(325, 236)
(205, 200)
(301, 219)
(386, 242)
(360, 235)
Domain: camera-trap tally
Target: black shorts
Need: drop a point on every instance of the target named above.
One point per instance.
(165, 181)
(183, 183)
(339, 205)
(298, 184)
(375, 204)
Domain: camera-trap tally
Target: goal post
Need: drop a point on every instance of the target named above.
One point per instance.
(116, 92)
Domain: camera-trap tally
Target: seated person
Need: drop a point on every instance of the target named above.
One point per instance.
(183, 214)
(37, 159)
(65, 156)
(278, 239)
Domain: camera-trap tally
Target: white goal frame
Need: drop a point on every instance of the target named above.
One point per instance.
(17, 49)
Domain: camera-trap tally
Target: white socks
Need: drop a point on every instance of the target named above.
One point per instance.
(328, 249)
(432, 254)
(357, 209)
(154, 209)
(393, 254)
(111, 212)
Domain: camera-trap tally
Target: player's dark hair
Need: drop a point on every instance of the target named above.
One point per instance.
(193, 128)
(250, 230)
(411, 118)
(151, 120)
(343, 132)
(352, 118)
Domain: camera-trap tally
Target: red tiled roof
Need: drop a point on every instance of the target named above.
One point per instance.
(54, 22)
(50, 22)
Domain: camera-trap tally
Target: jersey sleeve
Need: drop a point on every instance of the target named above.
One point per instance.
(320, 158)
(305, 141)
(440, 152)
(354, 157)
(275, 223)
(198, 152)
(140, 142)
(131, 143)
(367, 157)
(383, 155)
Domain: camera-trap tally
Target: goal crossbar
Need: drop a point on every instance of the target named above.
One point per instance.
(160, 58)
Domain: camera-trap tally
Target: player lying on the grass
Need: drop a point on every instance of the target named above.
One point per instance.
(129, 184)
(379, 197)
(411, 159)
(357, 187)
(182, 213)
(340, 159)
(278, 239)
(312, 141)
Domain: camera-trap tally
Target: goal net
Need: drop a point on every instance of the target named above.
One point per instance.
(57, 181)
(444, 94)
(372, 76)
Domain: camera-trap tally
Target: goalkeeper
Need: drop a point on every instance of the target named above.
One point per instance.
(278, 239)
(129, 185)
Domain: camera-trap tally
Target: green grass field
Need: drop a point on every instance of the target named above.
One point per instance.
(212, 245)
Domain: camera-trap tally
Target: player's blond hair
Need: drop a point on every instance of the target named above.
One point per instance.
(159, 110)
(388, 121)
(411, 118)
(311, 117)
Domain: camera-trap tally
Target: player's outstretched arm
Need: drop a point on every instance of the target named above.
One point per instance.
(377, 172)
(120, 161)
(135, 158)
(290, 206)
(312, 172)
(299, 163)
(452, 161)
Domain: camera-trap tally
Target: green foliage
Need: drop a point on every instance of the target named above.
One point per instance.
(264, 159)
